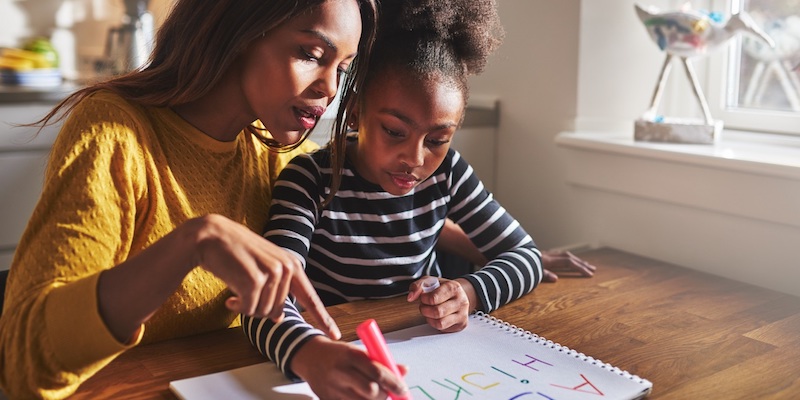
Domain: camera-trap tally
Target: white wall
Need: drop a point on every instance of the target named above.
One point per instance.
(538, 77)
(534, 74)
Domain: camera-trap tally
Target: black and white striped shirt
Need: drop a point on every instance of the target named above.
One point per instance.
(370, 244)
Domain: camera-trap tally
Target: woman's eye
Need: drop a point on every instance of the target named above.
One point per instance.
(309, 55)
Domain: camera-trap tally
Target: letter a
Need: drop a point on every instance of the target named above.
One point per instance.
(580, 388)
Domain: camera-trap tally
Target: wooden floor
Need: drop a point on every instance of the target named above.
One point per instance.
(695, 336)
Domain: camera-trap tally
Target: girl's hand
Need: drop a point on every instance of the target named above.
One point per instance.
(446, 308)
(337, 370)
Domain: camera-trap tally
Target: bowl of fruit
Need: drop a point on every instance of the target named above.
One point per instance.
(35, 64)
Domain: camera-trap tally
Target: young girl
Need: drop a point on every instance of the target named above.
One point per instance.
(166, 169)
(372, 234)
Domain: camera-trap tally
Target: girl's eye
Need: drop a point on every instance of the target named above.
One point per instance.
(438, 142)
(392, 133)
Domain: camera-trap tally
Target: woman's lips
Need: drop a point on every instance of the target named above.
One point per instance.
(308, 116)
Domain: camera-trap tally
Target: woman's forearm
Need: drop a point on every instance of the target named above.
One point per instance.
(259, 274)
(131, 292)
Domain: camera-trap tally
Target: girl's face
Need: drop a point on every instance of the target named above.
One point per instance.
(405, 129)
(291, 75)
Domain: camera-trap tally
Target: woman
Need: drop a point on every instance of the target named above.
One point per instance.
(158, 180)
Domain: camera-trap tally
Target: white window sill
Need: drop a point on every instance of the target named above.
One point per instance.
(744, 175)
(756, 153)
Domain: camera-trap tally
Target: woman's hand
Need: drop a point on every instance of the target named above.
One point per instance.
(259, 274)
(337, 370)
(453, 240)
(446, 308)
(559, 262)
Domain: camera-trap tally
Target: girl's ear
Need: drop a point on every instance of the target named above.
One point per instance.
(352, 120)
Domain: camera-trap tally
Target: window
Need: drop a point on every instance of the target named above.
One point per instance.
(758, 88)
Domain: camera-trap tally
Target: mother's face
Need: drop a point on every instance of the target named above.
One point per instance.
(291, 75)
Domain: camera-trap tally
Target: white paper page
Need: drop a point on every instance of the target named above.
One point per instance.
(254, 382)
(484, 361)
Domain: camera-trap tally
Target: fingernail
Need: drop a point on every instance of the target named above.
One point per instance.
(333, 328)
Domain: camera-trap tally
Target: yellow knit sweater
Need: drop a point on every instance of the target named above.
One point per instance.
(120, 177)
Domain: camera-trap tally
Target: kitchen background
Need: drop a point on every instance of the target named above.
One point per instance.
(567, 68)
(77, 28)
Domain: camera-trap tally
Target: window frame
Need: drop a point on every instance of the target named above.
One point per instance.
(720, 70)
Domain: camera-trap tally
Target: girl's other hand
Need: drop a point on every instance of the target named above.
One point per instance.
(556, 263)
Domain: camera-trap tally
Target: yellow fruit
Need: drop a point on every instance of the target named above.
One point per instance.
(38, 60)
(16, 64)
(44, 47)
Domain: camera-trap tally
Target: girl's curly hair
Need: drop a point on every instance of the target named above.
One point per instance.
(451, 38)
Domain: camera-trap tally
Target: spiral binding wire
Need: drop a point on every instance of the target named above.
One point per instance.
(530, 336)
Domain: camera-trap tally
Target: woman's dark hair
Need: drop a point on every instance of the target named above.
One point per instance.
(201, 39)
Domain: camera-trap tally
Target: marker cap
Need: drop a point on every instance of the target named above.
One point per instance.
(430, 284)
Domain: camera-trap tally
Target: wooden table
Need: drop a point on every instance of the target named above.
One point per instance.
(693, 335)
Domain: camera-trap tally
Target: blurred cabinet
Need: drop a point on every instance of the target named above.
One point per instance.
(23, 157)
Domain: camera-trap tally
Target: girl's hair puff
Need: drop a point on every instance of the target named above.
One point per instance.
(449, 38)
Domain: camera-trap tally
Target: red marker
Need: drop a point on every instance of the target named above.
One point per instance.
(373, 340)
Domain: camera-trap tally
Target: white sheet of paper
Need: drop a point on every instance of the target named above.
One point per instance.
(487, 360)
(254, 382)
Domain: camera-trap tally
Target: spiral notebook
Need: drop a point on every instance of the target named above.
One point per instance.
(490, 359)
